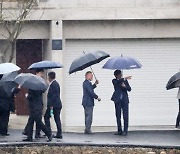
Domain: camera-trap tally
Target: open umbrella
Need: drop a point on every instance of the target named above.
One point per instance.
(8, 68)
(45, 65)
(174, 81)
(87, 60)
(7, 82)
(31, 81)
(121, 63)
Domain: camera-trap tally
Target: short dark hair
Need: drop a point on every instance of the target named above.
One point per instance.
(1, 75)
(52, 75)
(39, 70)
(117, 72)
(88, 72)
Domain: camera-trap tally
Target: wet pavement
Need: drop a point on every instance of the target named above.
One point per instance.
(141, 138)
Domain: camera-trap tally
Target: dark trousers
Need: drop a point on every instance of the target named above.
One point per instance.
(38, 130)
(4, 120)
(178, 116)
(88, 112)
(36, 116)
(47, 116)
(124, 108)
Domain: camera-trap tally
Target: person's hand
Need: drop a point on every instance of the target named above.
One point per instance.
(26, 95)
(128, 77)
(99, 99)
(19, 87)
(123, 85)
(96, 82)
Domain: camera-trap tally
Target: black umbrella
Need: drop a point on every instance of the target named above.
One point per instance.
(7, 82)
(87, 60)
(174, 81)
(45, 65)
(31, 81)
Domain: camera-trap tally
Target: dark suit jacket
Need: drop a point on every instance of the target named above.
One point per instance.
(53, 96)
(4, 100)
(88, 94)
(7, 101)
(35, 100)
(120, 93)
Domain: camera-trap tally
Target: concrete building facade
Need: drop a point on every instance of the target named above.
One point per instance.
(148, 30)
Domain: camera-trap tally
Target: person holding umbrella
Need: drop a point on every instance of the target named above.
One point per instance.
(88, 100)
(121, 100)
(80, 63)
(178, 116)
(174, 82)
(36, 87)
(7, 92)
(39, 72)
(121, 88)
(6, 106)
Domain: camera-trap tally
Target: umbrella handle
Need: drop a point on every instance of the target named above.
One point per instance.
(91, 70)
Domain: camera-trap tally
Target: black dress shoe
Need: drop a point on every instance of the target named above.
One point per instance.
(39, 136)
(28, 140)
(50, 138)
(24, 133)
(5, 134)
(58, 136)
(124, 133)
(118, 133)
(87, 132)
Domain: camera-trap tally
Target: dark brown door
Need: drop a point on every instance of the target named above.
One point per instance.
(27, 52)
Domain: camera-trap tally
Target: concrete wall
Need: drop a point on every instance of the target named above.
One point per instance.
(31, 30)
(104, 9)
(121, 29)
(109, 4)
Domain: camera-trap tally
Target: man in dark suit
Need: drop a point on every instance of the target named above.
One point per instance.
(35, 103)
(53, 104)
(4, 112)
(178, 116)
(121, 101)
(88, 100)
(6, 106)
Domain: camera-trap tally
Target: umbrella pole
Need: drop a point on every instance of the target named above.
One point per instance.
(93, 72)
(91, 69)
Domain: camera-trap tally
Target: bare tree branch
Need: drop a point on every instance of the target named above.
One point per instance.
(14, 27)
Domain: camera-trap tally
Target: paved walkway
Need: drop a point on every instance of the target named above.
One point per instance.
(147, 138)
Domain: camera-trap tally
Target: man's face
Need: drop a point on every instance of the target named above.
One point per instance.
(49, 79)
(119, 76)
(41, 74)
(89, 76)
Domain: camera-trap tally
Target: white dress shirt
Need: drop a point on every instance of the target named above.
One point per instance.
(178, 95)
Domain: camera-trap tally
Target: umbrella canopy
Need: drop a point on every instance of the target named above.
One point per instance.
(174, 81)
(31, 81)
(45, 65)
(7, 82)
(121, 63)
(87, 60)
(8, 68)
(8, 77)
